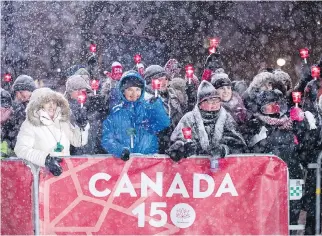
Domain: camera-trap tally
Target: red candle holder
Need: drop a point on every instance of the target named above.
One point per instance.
(156, 85)
(212, 50)
(315, 72)
(187, 133)
(7, 77)
(94, 85)
(214, 42)
(81, 99)
(296, 96)
(304, 53)
(137, 58)
(92, 47)
(189, 72)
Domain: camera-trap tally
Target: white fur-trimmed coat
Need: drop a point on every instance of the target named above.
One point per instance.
(225, 132)
(38, 135)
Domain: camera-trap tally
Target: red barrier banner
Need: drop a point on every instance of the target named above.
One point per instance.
(16, 200)
(100, 196)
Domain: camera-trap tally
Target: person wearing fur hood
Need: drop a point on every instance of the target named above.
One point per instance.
(263, 81)
(47, 132)
(230, 100)
(173, 96)
(213, 129)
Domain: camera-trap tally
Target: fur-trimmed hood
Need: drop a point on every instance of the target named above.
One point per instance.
(284, 77)
(42, 96)
(261, 79)
(225, 129)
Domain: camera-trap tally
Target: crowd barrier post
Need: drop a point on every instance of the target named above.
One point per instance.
(35, 195)
(318, 196)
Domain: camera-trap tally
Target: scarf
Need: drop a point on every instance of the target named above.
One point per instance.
(282, 123)
(209, 116)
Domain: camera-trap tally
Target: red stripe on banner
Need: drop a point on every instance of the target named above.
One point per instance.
(247, 195)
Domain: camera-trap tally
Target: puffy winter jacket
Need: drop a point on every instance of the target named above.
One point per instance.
(141, 118)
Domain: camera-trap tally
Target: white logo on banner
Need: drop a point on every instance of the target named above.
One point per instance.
(125, 186)
(182, 215)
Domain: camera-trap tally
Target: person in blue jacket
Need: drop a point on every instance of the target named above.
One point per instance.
(133, 125)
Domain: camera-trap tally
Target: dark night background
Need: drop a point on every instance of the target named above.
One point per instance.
(37, 38)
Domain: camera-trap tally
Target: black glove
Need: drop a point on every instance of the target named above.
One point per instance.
(192, 98)
(81, 118)
(219, 151)
(153, 99)
(311, 90)
(52, 164)
(125, 156)
(190, 148)
(176, 151)
(92, 60)
(213, 62)
(190, 88)
(306, 73)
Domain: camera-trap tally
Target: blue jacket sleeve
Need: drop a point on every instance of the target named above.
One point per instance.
(109, 142)
(158, 117)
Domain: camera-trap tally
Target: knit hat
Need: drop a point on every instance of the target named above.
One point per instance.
(76, 69)
(24, 83)
(6, 100)
(77, 82)
(131, 79)
(116, 63)
(154, 72)
(82, 71)
(172, 67)
(219, 79)
(206, 91)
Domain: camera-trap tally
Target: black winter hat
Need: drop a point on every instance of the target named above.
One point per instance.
(131, 79)
(24, 83)
(206, 91)
(6, 100)
(154, 72)
(219, 79)
(213, 61)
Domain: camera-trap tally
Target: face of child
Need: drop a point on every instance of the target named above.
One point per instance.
(132, 94)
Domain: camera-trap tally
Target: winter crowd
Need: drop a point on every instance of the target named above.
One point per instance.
(157, 110)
